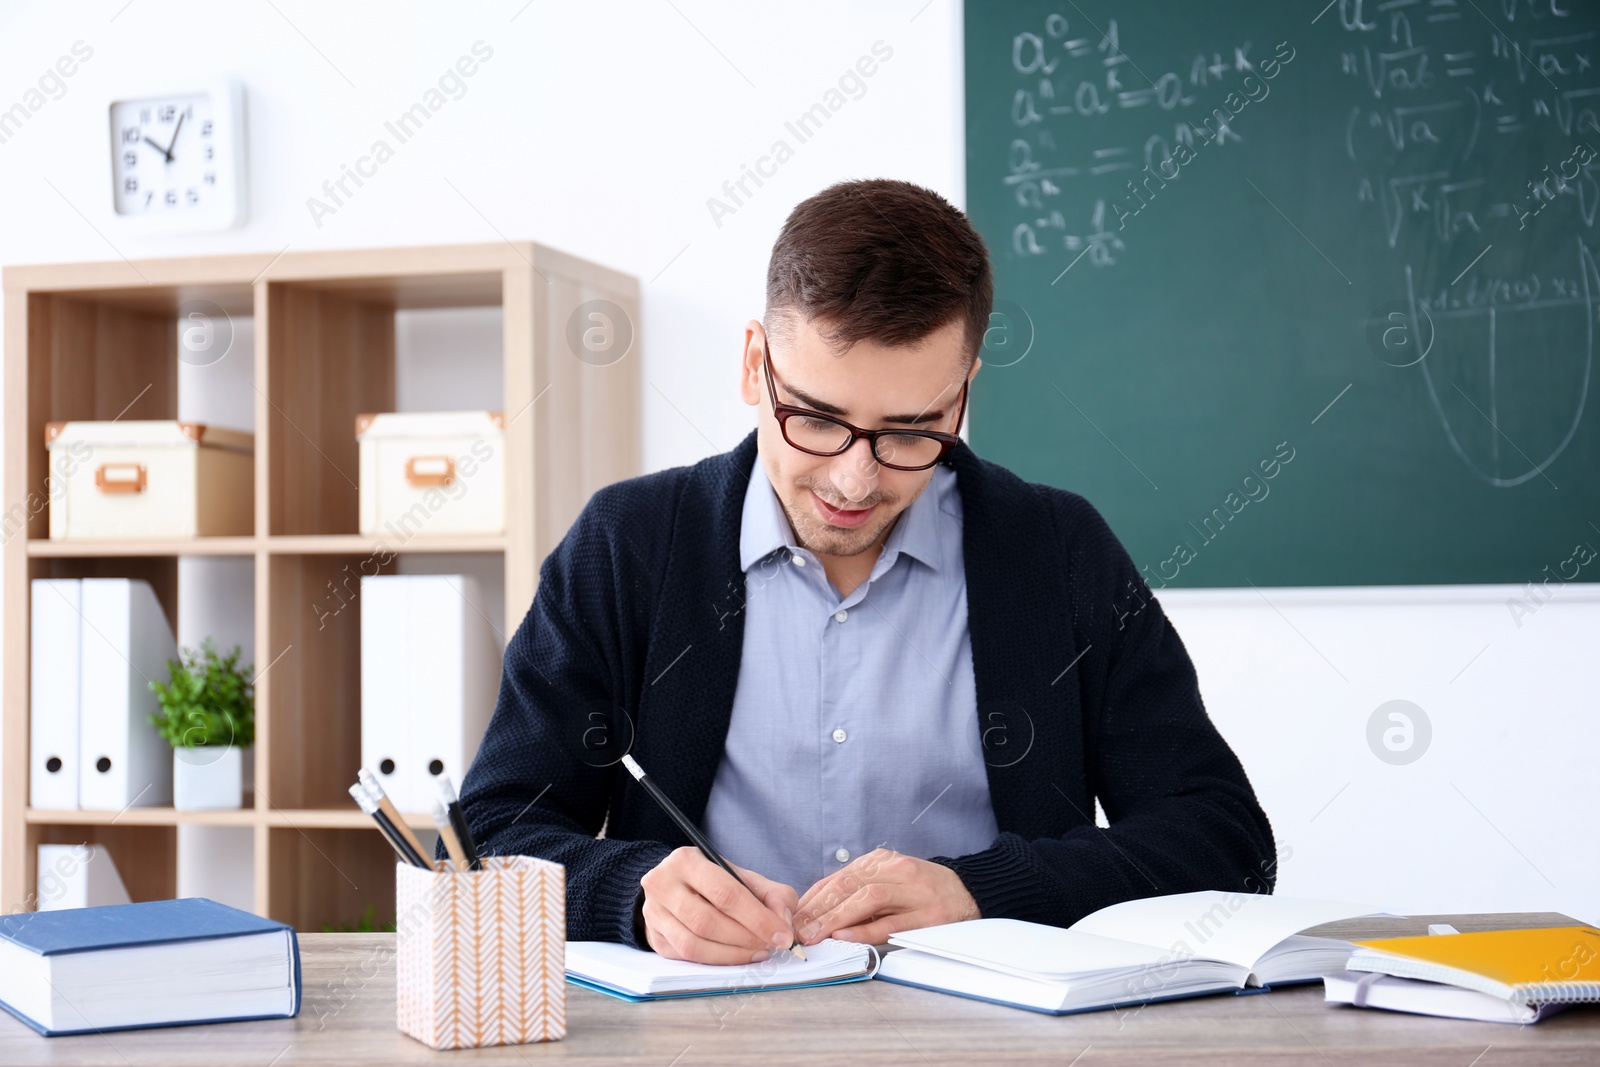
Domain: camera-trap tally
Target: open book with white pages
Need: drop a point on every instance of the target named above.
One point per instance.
(1136, 952)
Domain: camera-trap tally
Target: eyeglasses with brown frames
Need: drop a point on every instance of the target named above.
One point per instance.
(826, 435)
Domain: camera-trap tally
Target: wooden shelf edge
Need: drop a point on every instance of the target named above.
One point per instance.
(182, 546)
(358, 544)
(277, 544)
(335, 819)
(283, 818)
(142, 817)
(248, 269)
(244, 271)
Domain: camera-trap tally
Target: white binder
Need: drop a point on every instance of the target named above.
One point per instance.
(53, 698)
(78, 876)
(430, 671)
(385, 740)
(124, 762)
(453, 694)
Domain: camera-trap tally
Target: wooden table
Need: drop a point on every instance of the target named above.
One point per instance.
(347, 1018)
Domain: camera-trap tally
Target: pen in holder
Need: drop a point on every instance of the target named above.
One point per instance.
(481, 955)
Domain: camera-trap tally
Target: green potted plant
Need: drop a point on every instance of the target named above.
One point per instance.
(208, 716)
(367, 924)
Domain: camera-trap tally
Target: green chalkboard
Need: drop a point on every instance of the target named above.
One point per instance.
(1297, 298)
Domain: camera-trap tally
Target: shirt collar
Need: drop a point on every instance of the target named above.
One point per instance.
(764, 528)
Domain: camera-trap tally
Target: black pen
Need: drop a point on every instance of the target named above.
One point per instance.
(400, 845)
(458, 821)
(700, 840)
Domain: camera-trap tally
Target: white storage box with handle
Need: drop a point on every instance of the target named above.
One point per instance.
(149, 478)
(432, 472)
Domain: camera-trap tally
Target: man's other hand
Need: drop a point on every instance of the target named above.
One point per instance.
(880, 894)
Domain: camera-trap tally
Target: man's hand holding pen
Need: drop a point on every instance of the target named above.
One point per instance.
(694, 910)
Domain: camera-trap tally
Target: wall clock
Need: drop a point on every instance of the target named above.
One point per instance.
(178, 159)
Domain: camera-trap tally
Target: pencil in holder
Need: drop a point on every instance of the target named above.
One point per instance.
(481, 955)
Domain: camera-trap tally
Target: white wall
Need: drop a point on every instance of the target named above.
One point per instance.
(602, 129)
(1492, 811)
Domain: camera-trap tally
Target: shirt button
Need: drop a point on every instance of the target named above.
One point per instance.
(799, 560)
(839, 736)
(842, 855)
(841, 615)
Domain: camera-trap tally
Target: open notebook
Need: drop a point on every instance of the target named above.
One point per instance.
(635, 974)
(1135, 952)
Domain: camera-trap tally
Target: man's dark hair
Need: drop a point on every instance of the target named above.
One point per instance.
(880, 260)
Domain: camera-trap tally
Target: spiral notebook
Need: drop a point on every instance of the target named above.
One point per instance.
(635, 974)
(1369, 989)
(1543, 966)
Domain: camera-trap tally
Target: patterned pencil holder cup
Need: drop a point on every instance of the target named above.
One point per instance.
(481, 955)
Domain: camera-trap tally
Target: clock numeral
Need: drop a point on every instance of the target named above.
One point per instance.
(209, 152)
(168, 113)
(211, 177)
(130, 135)
(205, 128)
(131, 185)
(130, 159)
(193, 196)
(148, 197)
(144, 115)
(171, 198)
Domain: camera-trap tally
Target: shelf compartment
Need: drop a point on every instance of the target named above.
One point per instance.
(103, 355)
(89, 359)
(324, 875)
(146, 856)
(160, 571)
(330, 356)
(310, 693)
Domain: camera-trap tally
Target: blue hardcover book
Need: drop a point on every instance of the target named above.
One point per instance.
(159, 963)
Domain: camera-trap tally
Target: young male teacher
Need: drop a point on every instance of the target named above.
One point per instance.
(887, 678)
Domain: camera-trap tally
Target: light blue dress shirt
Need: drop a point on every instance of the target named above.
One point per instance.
(855, 721)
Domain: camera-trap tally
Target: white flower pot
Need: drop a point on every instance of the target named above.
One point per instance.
(208, 777)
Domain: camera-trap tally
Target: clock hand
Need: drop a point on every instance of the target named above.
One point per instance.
(174, 138)
(158, 148)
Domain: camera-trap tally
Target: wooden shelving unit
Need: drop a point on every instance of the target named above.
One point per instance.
(100, 341)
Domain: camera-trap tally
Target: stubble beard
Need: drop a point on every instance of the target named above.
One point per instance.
(826, 540)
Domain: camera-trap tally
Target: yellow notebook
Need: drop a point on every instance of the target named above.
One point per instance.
(1548, 965)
